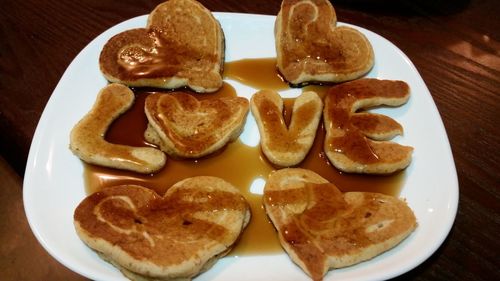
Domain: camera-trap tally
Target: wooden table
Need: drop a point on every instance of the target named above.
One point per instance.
(454, 45)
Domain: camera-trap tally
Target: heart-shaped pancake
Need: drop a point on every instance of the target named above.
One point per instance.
(182, 45)
(358, 142)
(286, 145)
(311, 48)
(176, 236)
(186, 127)
(321, 228)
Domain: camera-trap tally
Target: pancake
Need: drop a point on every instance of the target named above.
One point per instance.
(358, 142)
(87, 137)
(174, 237)
(182, 45)
(311, 48)
(185, 127)
(321, 228)
(284, 145)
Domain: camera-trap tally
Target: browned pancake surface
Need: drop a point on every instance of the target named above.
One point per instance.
(188, 127)
(87, 138)
(163, 237)
(311, 48)
(356, 141)
(286, 145)
(321, 228)
(183, 45)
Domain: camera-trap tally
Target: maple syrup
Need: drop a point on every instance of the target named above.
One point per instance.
(348, 130)
(237, 163)
(257, 73)
(144, 226)
(317, 161)
(152, 54)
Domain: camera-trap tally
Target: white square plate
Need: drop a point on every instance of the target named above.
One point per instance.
(54, 186)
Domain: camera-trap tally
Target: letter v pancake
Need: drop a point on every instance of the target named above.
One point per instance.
(282, 145)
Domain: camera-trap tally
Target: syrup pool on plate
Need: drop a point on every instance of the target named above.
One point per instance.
(243, 166)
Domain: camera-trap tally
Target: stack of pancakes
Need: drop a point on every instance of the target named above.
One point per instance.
(181, 234)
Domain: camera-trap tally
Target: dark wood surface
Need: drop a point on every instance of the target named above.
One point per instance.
(454, 45)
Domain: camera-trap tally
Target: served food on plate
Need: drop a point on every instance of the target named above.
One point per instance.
(286, 144)
(182, 45)
(199, 219)
(358, 141)
(170, 237)
(87, 138)
(321, 228)
(311, 48)
(183, 126)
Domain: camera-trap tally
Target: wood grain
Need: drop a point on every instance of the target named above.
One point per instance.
(21, 257)
(454, 45)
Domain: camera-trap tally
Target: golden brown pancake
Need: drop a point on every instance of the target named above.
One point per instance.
(185, 127)
(321, 228)
(87, 137)
(286, 145)
(311, 48)
(182, 45)
(172, 237)
(357, 142)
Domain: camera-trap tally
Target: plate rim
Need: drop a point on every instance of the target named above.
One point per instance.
(40, 132)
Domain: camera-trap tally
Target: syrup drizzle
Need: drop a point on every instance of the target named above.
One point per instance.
(237, 163)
